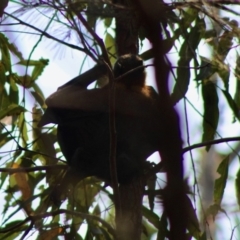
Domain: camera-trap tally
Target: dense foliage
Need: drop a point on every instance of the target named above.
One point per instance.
(201, 41)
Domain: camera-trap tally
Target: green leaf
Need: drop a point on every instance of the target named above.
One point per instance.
(110, 46)
(224, 73)
(14, 50)
(193, 223)
(38, 65)
(206, 69)
(3, 177)
(26, 81)
(203, 236)
(151, 183)
(220, 183)
(210, 34)
(106, 234)
(167, 44)
(12, 109)
(214, 209)
(33, 63)
(38, 69)
(211, 111)
(38, 95)
(14, 233)
(162, 232)
(224, 45)
(182, 82)
(23, 128)
(3, 77)
(189, 15)
(232, 104)
(44, 143)
(6, 59)
(237, 186)
(148, 54)
(4, 138)
(152, 217)
(108, 22)
(14, 94)
(237, 91)
(4, 101)
(39, 99)
(187, 53)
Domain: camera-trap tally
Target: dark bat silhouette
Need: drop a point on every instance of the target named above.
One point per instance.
(82, 116)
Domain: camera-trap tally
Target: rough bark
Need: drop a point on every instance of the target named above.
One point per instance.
(127, 27)
(129, 210)
(171, 149)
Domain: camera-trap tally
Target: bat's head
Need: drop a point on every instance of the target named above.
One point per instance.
(132, 66)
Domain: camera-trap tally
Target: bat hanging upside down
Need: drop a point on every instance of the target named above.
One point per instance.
(82, 116)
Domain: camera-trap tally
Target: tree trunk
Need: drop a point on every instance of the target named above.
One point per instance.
(174, 199)
(129, 209)
(129, 213)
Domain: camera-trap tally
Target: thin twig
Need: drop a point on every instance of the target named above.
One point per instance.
(45, 34)
(32, 169)
(209, 143)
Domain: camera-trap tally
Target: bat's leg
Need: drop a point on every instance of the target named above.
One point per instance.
(71, 178)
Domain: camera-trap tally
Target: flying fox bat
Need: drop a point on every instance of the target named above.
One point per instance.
(82, 116)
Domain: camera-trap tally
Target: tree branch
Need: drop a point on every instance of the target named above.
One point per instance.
(209, 143)
(45, 34)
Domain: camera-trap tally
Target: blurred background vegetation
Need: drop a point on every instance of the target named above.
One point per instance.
(40, 38)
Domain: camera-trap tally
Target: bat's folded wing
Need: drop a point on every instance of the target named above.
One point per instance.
(74, 102)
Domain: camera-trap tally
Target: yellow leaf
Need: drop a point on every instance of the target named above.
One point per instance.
(21, 179)
(49, 235)
(22, 182)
